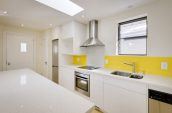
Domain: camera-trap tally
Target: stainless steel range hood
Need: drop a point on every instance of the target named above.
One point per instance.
(93, 35)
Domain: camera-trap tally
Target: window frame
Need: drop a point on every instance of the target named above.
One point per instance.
(139, 37)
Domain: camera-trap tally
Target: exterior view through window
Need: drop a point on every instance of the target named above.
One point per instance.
(132, 37)
(23, 47)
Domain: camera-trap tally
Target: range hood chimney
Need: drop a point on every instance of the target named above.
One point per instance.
(93, 35)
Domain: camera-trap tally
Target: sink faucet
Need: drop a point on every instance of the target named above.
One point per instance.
(133, 65)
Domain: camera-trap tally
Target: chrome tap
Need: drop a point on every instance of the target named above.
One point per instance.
(133, 65)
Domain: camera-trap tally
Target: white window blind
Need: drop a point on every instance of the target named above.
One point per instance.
(132, 37)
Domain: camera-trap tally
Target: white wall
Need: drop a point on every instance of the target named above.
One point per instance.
(1, 49)
(159, 28)
(45, 51)
(95, 56)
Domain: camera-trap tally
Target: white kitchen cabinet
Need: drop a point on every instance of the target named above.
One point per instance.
(56, 33)
(96, 89)
(124, 99)
(66, 77)
(73, 34)
(68, 30)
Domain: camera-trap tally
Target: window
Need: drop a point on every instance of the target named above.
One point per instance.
(23, 47)
(132, 37)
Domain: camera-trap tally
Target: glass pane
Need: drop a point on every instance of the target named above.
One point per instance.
(132, 46)
(133, 29)
(23, 47)
(82, 84)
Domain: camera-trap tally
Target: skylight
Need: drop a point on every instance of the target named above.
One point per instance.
(65, 6)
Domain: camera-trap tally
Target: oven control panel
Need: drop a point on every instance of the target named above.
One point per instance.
(82, 74)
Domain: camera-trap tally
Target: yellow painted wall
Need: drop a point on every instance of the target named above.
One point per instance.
(80, 59)
(148, 65)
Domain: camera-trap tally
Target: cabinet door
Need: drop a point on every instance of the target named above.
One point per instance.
(165, 108)
(66, 78)
(154, 106)
(56, 33)
(96, 89)
(68, 30)
(120, 100)
(61, 77)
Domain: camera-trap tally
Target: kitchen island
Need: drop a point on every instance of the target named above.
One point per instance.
(25, 91)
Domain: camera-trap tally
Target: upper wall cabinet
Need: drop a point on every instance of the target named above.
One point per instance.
(122, 96)
(68, 30)
(73, 34)
(56, 33)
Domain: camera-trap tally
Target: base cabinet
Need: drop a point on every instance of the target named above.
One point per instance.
(96, 90)
(121, 100)
(66, 78)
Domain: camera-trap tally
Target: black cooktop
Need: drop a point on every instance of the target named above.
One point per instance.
(89, 67)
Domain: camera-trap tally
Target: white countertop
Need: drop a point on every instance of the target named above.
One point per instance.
(155, 82)
(24, 91)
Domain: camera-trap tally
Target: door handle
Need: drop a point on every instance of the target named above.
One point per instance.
(8, 63)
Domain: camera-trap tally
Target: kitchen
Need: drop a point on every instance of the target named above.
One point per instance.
(112, 56)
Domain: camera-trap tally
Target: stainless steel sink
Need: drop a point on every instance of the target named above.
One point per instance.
(126, 74)
(120, 73)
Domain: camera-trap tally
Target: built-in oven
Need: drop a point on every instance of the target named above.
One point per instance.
(82, 83)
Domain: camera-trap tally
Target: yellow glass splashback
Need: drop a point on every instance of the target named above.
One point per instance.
(144, 64)
(80, 59)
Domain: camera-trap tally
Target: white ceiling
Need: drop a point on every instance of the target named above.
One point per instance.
(37, 16)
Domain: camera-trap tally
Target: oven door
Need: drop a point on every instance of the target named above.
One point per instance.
(82, 85)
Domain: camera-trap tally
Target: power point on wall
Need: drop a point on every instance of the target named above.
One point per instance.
(164, 65)
(106, 61)
(78, 59)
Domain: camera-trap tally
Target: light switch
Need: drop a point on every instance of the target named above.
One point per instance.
(164, 65)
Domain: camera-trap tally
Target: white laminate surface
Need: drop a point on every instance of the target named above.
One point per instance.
(24, 91)
(152, 81)
(155, 82)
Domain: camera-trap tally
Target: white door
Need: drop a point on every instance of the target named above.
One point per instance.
(96, 89)
(121, 100)
(20, 51)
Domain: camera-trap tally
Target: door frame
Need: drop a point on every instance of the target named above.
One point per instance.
(5, 33)
(57, 59)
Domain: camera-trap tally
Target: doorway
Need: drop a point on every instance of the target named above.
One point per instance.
(19, 51)
(55, 61)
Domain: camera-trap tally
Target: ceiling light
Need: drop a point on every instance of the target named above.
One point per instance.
(3, 12)
(22, 25)
(65, 6)
(51, 25)
(83, 16)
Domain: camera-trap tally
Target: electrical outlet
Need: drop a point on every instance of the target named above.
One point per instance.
(164, 65)
(78, 59)
(106, 61)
